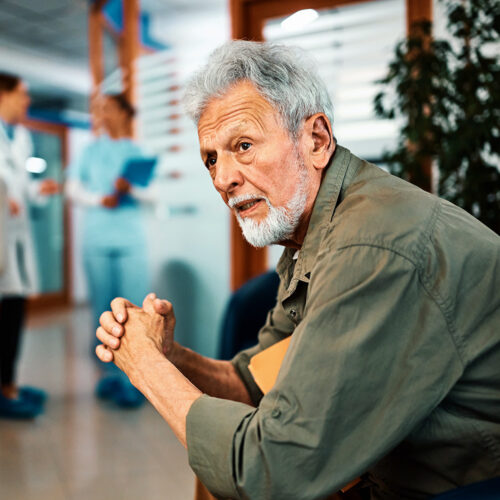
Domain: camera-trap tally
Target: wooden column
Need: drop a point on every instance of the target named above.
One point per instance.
(96, 61)
(128, 41)
(246, 261)
(417, 11)
(247, 23)
(130, 46)
(96, 57)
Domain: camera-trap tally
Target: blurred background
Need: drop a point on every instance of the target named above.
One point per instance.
(70, 50)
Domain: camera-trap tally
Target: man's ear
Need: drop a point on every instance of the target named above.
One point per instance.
(318, 131)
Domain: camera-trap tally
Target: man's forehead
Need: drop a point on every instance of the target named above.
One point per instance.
(242, 97)
(240, 108)
(231, 128)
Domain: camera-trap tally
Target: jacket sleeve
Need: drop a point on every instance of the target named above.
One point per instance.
(75, 187)
(277, 327)
(371, 358)
(76, 192)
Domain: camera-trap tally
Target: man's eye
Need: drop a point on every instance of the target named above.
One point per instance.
(245, 146)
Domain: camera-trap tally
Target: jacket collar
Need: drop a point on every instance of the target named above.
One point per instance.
(322, 215)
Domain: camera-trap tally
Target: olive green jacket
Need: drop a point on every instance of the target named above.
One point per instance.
(394, 365)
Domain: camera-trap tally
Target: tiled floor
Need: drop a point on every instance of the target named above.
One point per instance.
(81, 448)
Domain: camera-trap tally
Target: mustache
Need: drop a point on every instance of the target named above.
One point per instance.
(232, 202)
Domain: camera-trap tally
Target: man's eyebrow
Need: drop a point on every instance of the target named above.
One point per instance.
(206, 151)
(228, 137)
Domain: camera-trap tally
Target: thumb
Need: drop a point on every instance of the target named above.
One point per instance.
(163, 307)
(147, 304)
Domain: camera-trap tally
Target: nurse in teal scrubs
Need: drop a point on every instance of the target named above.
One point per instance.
(114, 241)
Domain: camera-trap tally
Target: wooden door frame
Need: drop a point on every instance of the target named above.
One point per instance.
(43, 301)
(247, 23)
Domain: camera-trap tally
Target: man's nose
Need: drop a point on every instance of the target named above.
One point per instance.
(227, 174)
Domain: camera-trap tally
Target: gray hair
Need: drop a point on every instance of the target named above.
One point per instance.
(284, 76)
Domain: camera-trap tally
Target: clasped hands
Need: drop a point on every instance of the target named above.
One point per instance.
(131, 335)
(122, 186)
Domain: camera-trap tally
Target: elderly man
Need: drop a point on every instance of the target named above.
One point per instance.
(390, 296)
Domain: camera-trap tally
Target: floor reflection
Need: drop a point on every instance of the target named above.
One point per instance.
(82, 448)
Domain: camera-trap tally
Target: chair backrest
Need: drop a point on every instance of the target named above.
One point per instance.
(484, 490)
(246, 313)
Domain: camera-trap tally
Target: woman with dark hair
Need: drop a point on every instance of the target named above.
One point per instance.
(114, 248)
(19, 275)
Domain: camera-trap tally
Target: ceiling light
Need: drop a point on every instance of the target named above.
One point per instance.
(36, 165)
(300, 19)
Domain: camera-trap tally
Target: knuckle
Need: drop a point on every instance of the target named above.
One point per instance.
(100, 334)
(100, 352)
(117, 302)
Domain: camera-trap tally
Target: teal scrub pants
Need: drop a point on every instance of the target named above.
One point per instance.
(115, 272)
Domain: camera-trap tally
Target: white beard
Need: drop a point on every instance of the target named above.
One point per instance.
(281, 222)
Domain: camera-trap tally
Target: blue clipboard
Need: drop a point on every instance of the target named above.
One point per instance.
(139, 171)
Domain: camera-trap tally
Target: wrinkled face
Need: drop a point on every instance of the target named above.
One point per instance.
(15, 103)
(254, 164)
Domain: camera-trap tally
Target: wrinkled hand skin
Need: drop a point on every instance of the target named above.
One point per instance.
(145, 334)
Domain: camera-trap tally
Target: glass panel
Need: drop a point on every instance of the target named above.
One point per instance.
(47, 220)
(190, 234)
(352, 46)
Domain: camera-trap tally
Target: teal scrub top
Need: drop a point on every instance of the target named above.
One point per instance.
(98, 167)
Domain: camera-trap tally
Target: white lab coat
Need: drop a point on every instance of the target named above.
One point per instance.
(3, 224)
(19, 275)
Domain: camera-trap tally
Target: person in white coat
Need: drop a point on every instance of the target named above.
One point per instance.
(3, 224)
(18, 277)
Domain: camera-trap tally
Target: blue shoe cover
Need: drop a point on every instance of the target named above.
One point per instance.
(32, 395)
(108, 386)
(128, 396)
(18, 408)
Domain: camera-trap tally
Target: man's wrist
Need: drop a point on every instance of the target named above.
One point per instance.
(146, 365)
(175, 353)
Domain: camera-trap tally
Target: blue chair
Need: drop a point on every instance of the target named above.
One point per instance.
(484, 490)
(246, 313)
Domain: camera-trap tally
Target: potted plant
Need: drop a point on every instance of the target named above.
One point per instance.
(447, 95)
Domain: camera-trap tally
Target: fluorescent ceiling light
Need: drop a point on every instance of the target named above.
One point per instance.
(36, 165)
(299, 19)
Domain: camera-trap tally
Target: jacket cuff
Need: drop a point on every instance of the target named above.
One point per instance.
(211, 424)
(241, 362)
